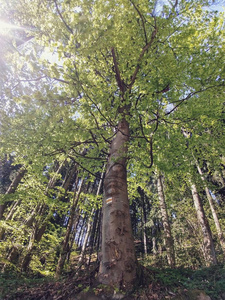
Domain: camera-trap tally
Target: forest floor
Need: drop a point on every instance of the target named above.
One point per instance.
(155, 283)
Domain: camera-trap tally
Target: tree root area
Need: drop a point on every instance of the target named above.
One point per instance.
(153, 284)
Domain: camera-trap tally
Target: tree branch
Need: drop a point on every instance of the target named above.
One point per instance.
(61, 80)
(190, 95)
(142, 20)
(61, 17)
(95, 175)
(146, 47)
(142, 129)
(120, 82)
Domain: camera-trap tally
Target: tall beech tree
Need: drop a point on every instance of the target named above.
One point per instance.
(124, 71)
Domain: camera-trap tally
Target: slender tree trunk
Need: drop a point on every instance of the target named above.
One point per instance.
(11, 189)
(94, 231)
(213, 210)
(39, 227)
(82, 231)
(73, 235)
(35, 238)
(95, 234)
(65, 246)
(118, 265)
(89, 226)
(208, 246)
(9, 217)
(144, 225)
(166, 225)
(84, 245)
(67, 181)
(97, 240)
(144, 238)
(143, 222)
(154, 247)
(13, 186)
(12, 257)
(36, 235)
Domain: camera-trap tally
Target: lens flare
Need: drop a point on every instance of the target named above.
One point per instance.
(6, 27)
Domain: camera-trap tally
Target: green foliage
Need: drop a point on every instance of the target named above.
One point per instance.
(64, 108)
(9, 285)
(211, 280)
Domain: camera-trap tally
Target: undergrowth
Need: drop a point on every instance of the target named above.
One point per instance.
(159, 282)
(211, 279)
(13, 282)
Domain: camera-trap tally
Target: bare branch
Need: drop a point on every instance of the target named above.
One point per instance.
(120, 82)
(61, 17)
(142, 20)
(190, 95)
(142, 129)
(30, 80)
(95, 175)
(146, 47)
(175, 4)
(61, 80)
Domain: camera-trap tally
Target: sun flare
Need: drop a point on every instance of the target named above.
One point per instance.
(5, 27)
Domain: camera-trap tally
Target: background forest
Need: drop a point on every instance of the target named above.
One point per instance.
(87, 86)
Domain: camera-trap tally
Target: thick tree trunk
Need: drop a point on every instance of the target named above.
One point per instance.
(213, 210)
(166, 225)
(208, 246)
(118, 265)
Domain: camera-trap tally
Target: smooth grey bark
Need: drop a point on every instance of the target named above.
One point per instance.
(154, 246)
(118, 265)
(143, 221)
(144, 234)
(208, 246)
(94, 231)
(84, 245)
(213, 210)
(97, 241)
(169, 243)
(82, 230)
